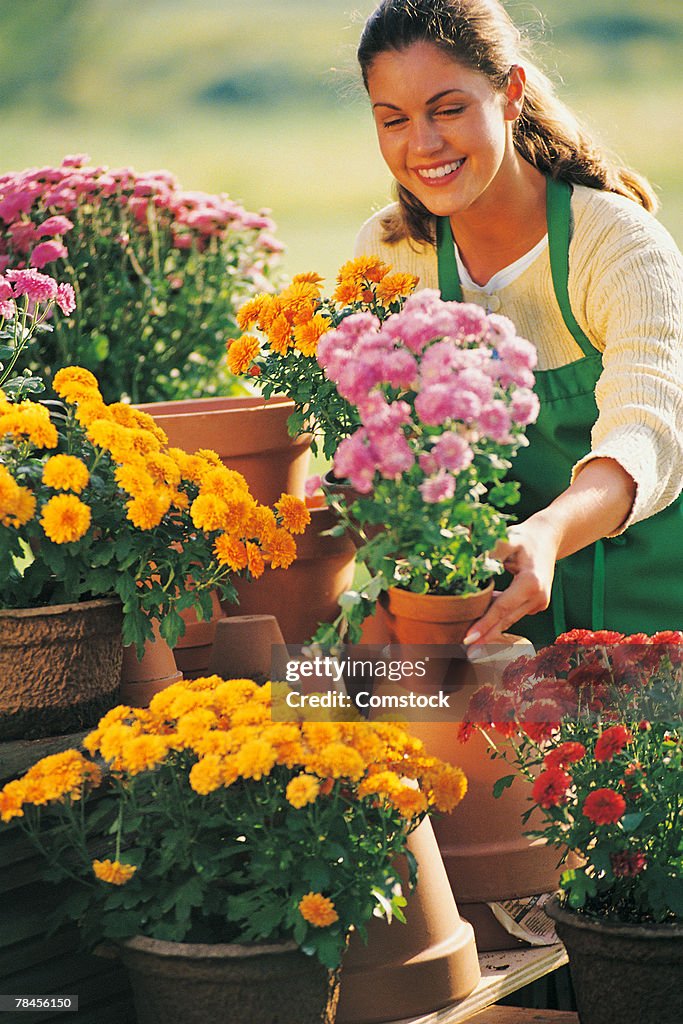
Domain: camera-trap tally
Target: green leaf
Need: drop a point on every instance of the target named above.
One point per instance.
(501, 785)
(630, 822)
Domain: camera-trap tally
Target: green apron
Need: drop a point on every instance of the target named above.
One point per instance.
(630, 583)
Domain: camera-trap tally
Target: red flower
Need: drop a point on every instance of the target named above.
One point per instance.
(604, 806)
(539, 731)
(576, 636)
(465, 730)
(612, 741)
(550, 788)
(628, 865)
(566, 753)
(480, 707)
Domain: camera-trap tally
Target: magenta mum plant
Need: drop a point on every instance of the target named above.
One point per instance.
(592, 724)
(444, 394)
(158, 273)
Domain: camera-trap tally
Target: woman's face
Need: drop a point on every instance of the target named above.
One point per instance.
(443, 129)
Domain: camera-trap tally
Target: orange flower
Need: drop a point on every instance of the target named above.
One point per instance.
(281, 549)
(249, 314)
(230, 551)
(65, 473)
(363, 268)
(242, 352)
(348, 292)
(293, 512)
(309, 277)
(308, 334)
(280, 335)
(147, 510)
(255, 561)
(65, 518)
(318, 910)
(113, 871)
(396, 286)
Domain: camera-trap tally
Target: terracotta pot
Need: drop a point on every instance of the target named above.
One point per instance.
(243, 648)
(192, 983)
(141, 679)
(249, 434)
(305, 594)
(193, 650)
(622, 973)
(411, 969)
(433, 618)
(60, 667)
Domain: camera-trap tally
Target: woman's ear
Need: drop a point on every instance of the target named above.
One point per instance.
(514, 92)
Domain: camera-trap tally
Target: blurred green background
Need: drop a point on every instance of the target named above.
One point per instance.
(260, 98)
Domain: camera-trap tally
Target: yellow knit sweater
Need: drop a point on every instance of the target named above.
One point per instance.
(626, 292)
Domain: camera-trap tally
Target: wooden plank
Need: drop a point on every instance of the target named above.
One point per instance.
(518, 1015)
(501, 974)
(17, 756)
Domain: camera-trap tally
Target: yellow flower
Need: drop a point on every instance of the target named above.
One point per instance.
(59, 775)
(134, 478)
(308, 334)
(65, 473)
(337, 761)
(347, 292)
(113, 871)
(162, 469)
(75, 382)
(207, 774)
(448, 786)
(363, 268)
(302, 790)
(309, 277)
(91, 409)
(65, 518)
(280, 549)
(293, 512)
(210, 457)
(12, 801)
(17, 504)
(317, 909)
(147, 510)
(30, 420)
(382, 783)
(194, 726)
(209, 512)
(409, 802)
(225, 483)
(242, 352)
(142, 753)
(261, 522)
(255, 759)
(396, 286)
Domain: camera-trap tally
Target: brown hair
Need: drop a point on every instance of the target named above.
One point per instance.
(481, 35)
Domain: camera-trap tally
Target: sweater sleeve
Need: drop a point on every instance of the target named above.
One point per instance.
(634, 304)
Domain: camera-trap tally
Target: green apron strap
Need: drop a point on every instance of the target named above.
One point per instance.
(449, 278)
(558, 212)
(557, 602)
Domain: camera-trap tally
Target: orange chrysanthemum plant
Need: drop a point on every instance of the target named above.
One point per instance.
(593, 725)
(94, 502)
(291, 323)
(226, 825)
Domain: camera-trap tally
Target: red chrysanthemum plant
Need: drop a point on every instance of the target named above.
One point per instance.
(593, 724)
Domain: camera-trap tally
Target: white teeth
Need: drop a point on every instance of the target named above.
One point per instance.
(440, 172)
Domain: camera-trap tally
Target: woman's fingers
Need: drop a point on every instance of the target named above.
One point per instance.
(524, 596)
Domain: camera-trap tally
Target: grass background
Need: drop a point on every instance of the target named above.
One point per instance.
(260, 98)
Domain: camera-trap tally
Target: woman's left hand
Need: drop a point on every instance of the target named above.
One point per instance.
(529, 556)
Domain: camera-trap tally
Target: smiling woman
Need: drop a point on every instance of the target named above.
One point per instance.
(505, 201)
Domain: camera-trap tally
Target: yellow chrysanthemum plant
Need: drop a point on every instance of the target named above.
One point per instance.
(282, 361)
(94, 502)
(220, 823)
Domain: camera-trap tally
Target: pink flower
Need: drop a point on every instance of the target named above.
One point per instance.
(66, 299)
(475, 381)
(435, 404)
(399, 369)
(23, 234)
(15, 203)
(428, 463)
(494, 421)
(500, 329)
(393, 454)
(379, 417)
(48, 252)
(524, 407)
(452, 452)
(441, 361)
(76, 160)
(354, 380)
(312, 485)
(7, 309)
(518, 353)
(468, 321)
(38, 287)
(5, 290)
(355, 458)
(437, 488)
(55, 226)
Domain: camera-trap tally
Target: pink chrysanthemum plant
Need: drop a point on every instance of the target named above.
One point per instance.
(444, 394)
(292, 324)
(158, 273)
(592, 725)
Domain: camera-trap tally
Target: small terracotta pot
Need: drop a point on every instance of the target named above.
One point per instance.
(622, 973)
(249, 434)
(193, 650)
(141, 679)
(192, 983)
(60, 667)
(243, 647)
(307, 592)
(407, 970)
(433, 618)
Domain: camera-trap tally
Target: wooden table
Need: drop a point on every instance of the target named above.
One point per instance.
(518, 1015)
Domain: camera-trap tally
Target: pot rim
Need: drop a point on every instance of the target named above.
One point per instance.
(58, 609)
(216, 404)
(204, 950)
(564, 915)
